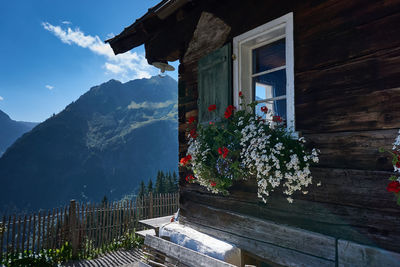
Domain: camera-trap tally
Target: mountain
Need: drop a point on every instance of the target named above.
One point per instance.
(103, 144)
(10, 130)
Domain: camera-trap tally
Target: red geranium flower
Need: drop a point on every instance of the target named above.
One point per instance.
(398, 162)
(240, 94)
(190, 178)
(223, 151)
(228, 111)
(212, 183)
(227, 114)
(185, 160)
(211, 123)
(231, 107)
(191, 119)
(212, 107)
(193, 133)
(277, 118)
(264, 109)
(394, 187)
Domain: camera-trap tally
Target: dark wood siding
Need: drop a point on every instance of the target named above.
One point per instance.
(347, 88)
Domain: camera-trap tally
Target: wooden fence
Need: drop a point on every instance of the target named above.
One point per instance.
(84, 226)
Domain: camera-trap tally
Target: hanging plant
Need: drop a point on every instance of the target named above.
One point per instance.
(242, 145)
(394, 185)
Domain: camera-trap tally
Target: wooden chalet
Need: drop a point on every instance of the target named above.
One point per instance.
(336, 65)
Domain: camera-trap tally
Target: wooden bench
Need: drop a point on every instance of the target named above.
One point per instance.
(162, 253)
(153, 225)
(143, 233)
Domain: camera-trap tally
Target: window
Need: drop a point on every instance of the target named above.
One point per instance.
(263, 69)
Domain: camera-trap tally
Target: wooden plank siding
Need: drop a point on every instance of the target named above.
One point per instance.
(281, 245)
(355, 255)
(354, 150)
(347, 95)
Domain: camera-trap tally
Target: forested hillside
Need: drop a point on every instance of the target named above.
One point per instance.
(104, 143)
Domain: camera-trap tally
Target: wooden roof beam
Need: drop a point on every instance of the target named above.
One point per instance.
(143, 28)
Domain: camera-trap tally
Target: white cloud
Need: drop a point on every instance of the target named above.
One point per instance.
(49, 87)
(1, 98)
(129, 65)
(66, 22)
(150, 105)
(114, 68)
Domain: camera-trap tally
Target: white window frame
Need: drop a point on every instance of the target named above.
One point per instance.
(243, 45)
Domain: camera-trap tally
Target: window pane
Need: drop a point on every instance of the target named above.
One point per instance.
(269, 56)
(270, 85)
(280, 108)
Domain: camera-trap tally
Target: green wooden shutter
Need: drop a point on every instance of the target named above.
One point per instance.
(215, 83)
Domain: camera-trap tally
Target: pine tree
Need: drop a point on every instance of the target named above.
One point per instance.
(142, 189)
(104, 201)
(150, 186)
(169, 183)
(175, 182)
(160, 188)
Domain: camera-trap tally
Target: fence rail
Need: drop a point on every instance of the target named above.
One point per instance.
(84, 226)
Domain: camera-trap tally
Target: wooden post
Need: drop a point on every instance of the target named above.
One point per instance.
(82, 227)
(150, 205)
(137, 210)
(98, 230)
(103, 224)
(23, 237)
(113, 222)
(53, 231)
(34, 234)
(29, 234)
(84, 231)
(13, 235)
(3, 231)
(18, 241)
(43, 230)
(48, 231)
(72, 229)
(58, 228)
(91, 225)
(131, 213)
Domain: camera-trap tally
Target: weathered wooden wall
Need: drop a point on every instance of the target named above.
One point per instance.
(347, 88)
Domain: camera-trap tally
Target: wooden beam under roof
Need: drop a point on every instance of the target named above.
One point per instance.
(142, 29)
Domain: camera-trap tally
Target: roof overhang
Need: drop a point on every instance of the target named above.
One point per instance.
(143, 28)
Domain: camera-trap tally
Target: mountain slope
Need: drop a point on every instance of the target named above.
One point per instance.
(10, 130)
(103, 144)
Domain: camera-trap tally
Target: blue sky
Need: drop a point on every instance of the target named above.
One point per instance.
(52, 52)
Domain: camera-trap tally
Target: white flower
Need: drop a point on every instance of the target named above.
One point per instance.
(261, 156)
